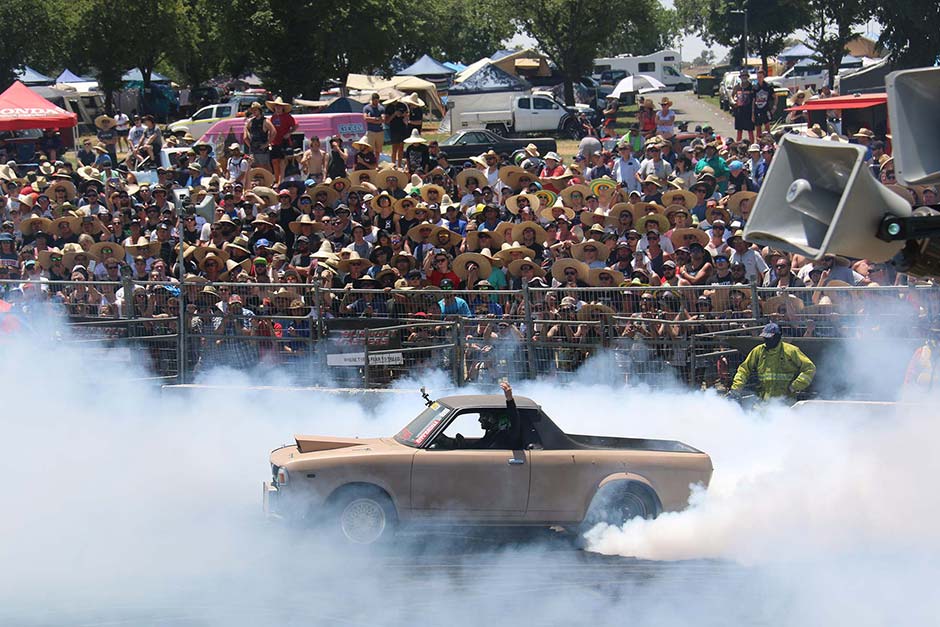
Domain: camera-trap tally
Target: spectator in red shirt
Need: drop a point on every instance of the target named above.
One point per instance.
(284, 125)
(438, 268)
(553, 168)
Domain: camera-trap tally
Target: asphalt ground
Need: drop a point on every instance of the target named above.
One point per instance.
(689, 108)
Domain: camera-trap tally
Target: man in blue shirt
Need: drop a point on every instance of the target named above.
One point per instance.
(626, 167)
(452, 305)
(374, 114)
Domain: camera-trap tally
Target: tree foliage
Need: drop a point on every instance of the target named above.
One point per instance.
(653, 27)
(459, 30)
(769, 22)
(832, 27)
(909, 30)
(570, 32)
(32, 35)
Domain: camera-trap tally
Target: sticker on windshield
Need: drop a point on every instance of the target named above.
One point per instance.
(427, 431)
(435, 405)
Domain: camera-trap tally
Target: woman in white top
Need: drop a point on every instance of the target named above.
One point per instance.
(666, 119)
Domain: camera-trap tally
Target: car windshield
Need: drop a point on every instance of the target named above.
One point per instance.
(419, 430)
(450, 141)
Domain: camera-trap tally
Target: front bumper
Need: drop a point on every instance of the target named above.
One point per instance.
(270, 500)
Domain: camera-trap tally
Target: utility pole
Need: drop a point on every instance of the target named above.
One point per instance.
(743, 13)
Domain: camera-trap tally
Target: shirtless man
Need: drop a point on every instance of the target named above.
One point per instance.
(313, 161)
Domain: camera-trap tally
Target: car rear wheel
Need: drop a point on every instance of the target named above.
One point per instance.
(572, 129)
(365, 516)
(498, 129)
(616, 504)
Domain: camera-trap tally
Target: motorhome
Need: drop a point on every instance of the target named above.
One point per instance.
(662, 65)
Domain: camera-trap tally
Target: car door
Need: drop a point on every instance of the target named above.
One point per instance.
(549, 113)
(523, 117)
(469, 484)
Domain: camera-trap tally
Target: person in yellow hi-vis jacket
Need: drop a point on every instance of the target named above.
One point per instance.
(782, 369)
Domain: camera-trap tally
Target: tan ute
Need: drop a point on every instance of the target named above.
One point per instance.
(479, 460)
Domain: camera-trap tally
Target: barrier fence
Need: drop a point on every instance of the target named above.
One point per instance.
(370, 338)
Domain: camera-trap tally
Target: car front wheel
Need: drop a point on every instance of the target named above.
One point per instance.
(365, 516)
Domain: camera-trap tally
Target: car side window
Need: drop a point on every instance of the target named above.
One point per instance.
(466, 426)
(542, 104)
(530, 435)
(203, 114)
(475, 138)
(224, 112)
(524, 103)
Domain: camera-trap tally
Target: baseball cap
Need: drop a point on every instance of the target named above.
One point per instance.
(770, 330)
(735, 165)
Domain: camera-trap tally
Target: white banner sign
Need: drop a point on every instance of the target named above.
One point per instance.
(359, 359)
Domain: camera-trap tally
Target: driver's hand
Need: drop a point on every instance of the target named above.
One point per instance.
(507, 389)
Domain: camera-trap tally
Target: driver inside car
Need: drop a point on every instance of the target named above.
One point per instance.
(502, 428)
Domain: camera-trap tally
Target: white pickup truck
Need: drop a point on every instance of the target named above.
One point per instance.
(202, 120)
(538, 112)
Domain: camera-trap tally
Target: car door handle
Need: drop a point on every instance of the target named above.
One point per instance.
(513, 461)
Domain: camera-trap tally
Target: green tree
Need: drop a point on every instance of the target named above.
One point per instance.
(168, 29)
(833, 26)
(653, 27)
(569, 32)
(459, 30)
(769, 22)
(32, 35)
(909, 30)
(706, 57)
(100, 47)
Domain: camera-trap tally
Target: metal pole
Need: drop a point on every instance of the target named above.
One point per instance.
(458, 354)
(181, 331)
(529, 331)
(365, 354)
(755, 302)
(745, 35)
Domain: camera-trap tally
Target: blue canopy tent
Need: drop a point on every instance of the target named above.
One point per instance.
(135, 76)
(430, 70)
(795, 53)
(29, 76)
(487, 79)
(67, 76)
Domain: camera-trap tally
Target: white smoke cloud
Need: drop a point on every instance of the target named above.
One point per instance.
(130, 504)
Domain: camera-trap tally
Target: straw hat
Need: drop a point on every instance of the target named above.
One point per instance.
(470, 173)
(519, 229)
(815, 131)
(599, 186)
(261, 175)
(773, 304)
(68, 186)
(325, 252)
(353, 258)
(452, 238)
(332, 196)
(362, 144)
(415, 138)
(34, 224)
(594, 276)
(864, 132)
(723, 212)
(149, 249)
(103, 250)
(592, 311)
(507, 249)
(388, 172)
(203, 251)
(512, 203)
(473, 239)
(105, 122)
(734, 201)
(71, 251)
(511, 175)
(679, 236)
(403, 206)
(414, 233)
(671, 210)
(297, 225)
(89, 173)
(277, 102)
(45, 257)
(425, 189)
(568, 191)
(358, 177)
(673, 198)
(559, 267)
(577, 251)
(7, 173)
(591, 218)
(613, 218)
(641, 221)
(547, 213)
(515, 267)
(412, 99)
(74, 223)
(483, 261)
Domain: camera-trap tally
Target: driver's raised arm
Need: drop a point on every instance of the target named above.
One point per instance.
(515, 430)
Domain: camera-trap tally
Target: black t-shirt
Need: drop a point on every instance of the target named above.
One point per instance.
(417, 157)
(763, 95)
(416, 117)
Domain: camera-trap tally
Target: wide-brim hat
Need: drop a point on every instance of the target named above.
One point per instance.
(640, 220)
(723, 212)
(415, 138)
(397, 257)
(412, 99)
(671, 210)
(589, 311)
(362, 144)
(515, 267)
(353, 258)
(414, 233)
(404, 206)
(595, 274)
(73, 221)
(510, 175)
(559, 267)
(388, 172)
(734, 201)
(267, 195)
(204, 251)
(45, 257)
(266, 178)
(297, 225)
(679, 236)
(547, 213)
(278, 102)
(150, 249)
(325, 252)
(105, 122)
(512, 203)
(104, 250)
(672, 198)
(89, 173)
(68, 186)
(864, 132)
(430, 186)
(473, 240)
(71, 251)
(613, 217)
(772, 304)
(547, 198)
(471, 173)
(358, 177)
(577, 250)
(453, 239)
(568, 191)
(332, 196)
(602, 183)
(519, 229)
(507, 249)
(374, 253)
(591, 218)
(463, 260)
(34, 224)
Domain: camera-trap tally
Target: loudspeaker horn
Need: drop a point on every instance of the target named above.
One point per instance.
(914, 117)
(820, 198)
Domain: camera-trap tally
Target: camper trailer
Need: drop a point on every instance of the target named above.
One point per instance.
(662, 65)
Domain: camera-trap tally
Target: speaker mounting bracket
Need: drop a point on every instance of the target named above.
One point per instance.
(915, 227)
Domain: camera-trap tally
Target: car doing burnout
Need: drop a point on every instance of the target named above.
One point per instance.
(442, 469)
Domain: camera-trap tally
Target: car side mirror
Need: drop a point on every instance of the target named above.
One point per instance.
(534, 447)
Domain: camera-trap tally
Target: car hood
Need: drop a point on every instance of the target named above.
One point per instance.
(322, 444)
